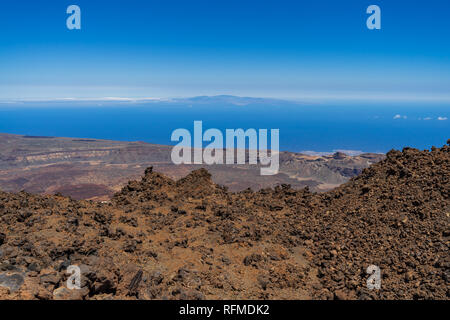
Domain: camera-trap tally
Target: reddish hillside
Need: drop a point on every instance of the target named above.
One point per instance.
(192, 239)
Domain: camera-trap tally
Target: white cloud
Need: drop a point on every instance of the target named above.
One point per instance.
(442, 118)
(399, 116)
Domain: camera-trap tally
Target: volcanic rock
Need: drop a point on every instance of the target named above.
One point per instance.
(192, 239)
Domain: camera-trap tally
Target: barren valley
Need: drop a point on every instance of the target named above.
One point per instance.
(96, 169)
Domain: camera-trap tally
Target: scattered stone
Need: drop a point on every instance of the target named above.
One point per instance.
(12, 281)
(191, 239)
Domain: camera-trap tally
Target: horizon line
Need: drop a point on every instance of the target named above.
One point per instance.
(299, 99)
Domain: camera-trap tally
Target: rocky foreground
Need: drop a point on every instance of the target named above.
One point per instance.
(192, 239)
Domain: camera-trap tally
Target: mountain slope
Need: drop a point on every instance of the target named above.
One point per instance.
(192, 239)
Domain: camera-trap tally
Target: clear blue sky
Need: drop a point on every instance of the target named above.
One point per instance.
(289, 49)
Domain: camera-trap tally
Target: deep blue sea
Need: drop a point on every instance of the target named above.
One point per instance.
(368, 127)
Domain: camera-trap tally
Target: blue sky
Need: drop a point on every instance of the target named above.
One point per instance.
(284, 49)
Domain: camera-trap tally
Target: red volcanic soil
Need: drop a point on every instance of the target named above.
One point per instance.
(192, 239)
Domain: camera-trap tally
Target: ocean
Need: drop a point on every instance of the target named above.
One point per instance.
(361, 127)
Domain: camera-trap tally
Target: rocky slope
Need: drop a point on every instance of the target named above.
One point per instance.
(192, 239)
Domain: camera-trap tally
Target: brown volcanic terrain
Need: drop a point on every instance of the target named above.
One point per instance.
(96, 169)
(191, 239)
